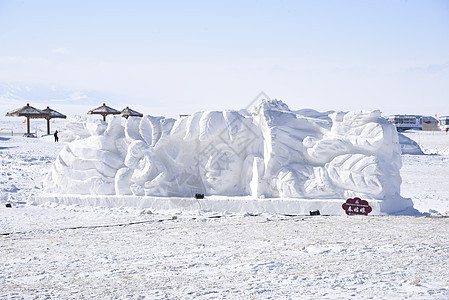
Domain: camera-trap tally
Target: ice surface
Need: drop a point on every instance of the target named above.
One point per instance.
(269, 152)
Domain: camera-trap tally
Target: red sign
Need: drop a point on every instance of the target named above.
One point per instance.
(356, 206)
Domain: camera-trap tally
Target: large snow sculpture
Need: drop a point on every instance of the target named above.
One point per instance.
(269, 152)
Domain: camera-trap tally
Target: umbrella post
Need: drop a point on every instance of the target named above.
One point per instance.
(28, 125)
(30, 112)
(104, 118)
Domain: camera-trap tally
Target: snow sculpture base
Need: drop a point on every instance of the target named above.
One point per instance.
(288, 206)
(260, 156)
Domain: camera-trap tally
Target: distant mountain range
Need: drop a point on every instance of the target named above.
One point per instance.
(32, 93)
(68, 101)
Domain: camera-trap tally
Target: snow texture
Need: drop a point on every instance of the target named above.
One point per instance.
(269, 152)
(409, 146)
(56, 251)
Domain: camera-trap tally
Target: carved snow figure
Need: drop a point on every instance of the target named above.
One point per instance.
(88, 165)
(228, 142)
(270, 152)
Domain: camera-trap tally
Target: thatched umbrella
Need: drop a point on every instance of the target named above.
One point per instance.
(128, 112)
(29, 112)
(104, 111)
(51, 115)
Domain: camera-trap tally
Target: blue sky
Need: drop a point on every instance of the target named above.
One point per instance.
(175, 57)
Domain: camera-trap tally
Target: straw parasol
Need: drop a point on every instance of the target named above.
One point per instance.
(29, 112)
(104, 111)
(51, 115)
(128, 112)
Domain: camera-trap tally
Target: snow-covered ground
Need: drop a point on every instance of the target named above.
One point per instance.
(425, 177)
(56, 251)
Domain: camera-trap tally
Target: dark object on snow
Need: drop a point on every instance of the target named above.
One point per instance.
(8, 205)
(128, 112)
(29, 112)
(314, 212)
(33, 113)
(356, 206)
(104, 111)
(199, 196)
(51, 115)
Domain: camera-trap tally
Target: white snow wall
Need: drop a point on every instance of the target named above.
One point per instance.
(270, 152)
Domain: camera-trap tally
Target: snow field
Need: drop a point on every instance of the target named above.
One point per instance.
(235, 256)
(57, 251)
(425, 177)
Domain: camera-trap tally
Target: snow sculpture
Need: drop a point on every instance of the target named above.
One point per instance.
(269, 152)
(409, 146)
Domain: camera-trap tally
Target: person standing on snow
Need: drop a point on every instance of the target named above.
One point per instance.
(56, 136)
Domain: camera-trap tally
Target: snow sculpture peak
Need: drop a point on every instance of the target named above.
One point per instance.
(269, 152)
(273, 104)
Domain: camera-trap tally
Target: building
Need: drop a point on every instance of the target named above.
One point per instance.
(430, 124)
(444, 122)
(416, 122)
(405, 122)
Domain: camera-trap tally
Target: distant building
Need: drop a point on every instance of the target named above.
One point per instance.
(416, 122)
(444, 122)
(405, 122)
(430, 124)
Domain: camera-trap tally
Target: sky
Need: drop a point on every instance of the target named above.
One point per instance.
(177, 57)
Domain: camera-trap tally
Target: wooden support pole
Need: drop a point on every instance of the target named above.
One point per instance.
(28, 125)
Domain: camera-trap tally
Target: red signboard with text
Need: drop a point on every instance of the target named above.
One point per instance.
(356, 206)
